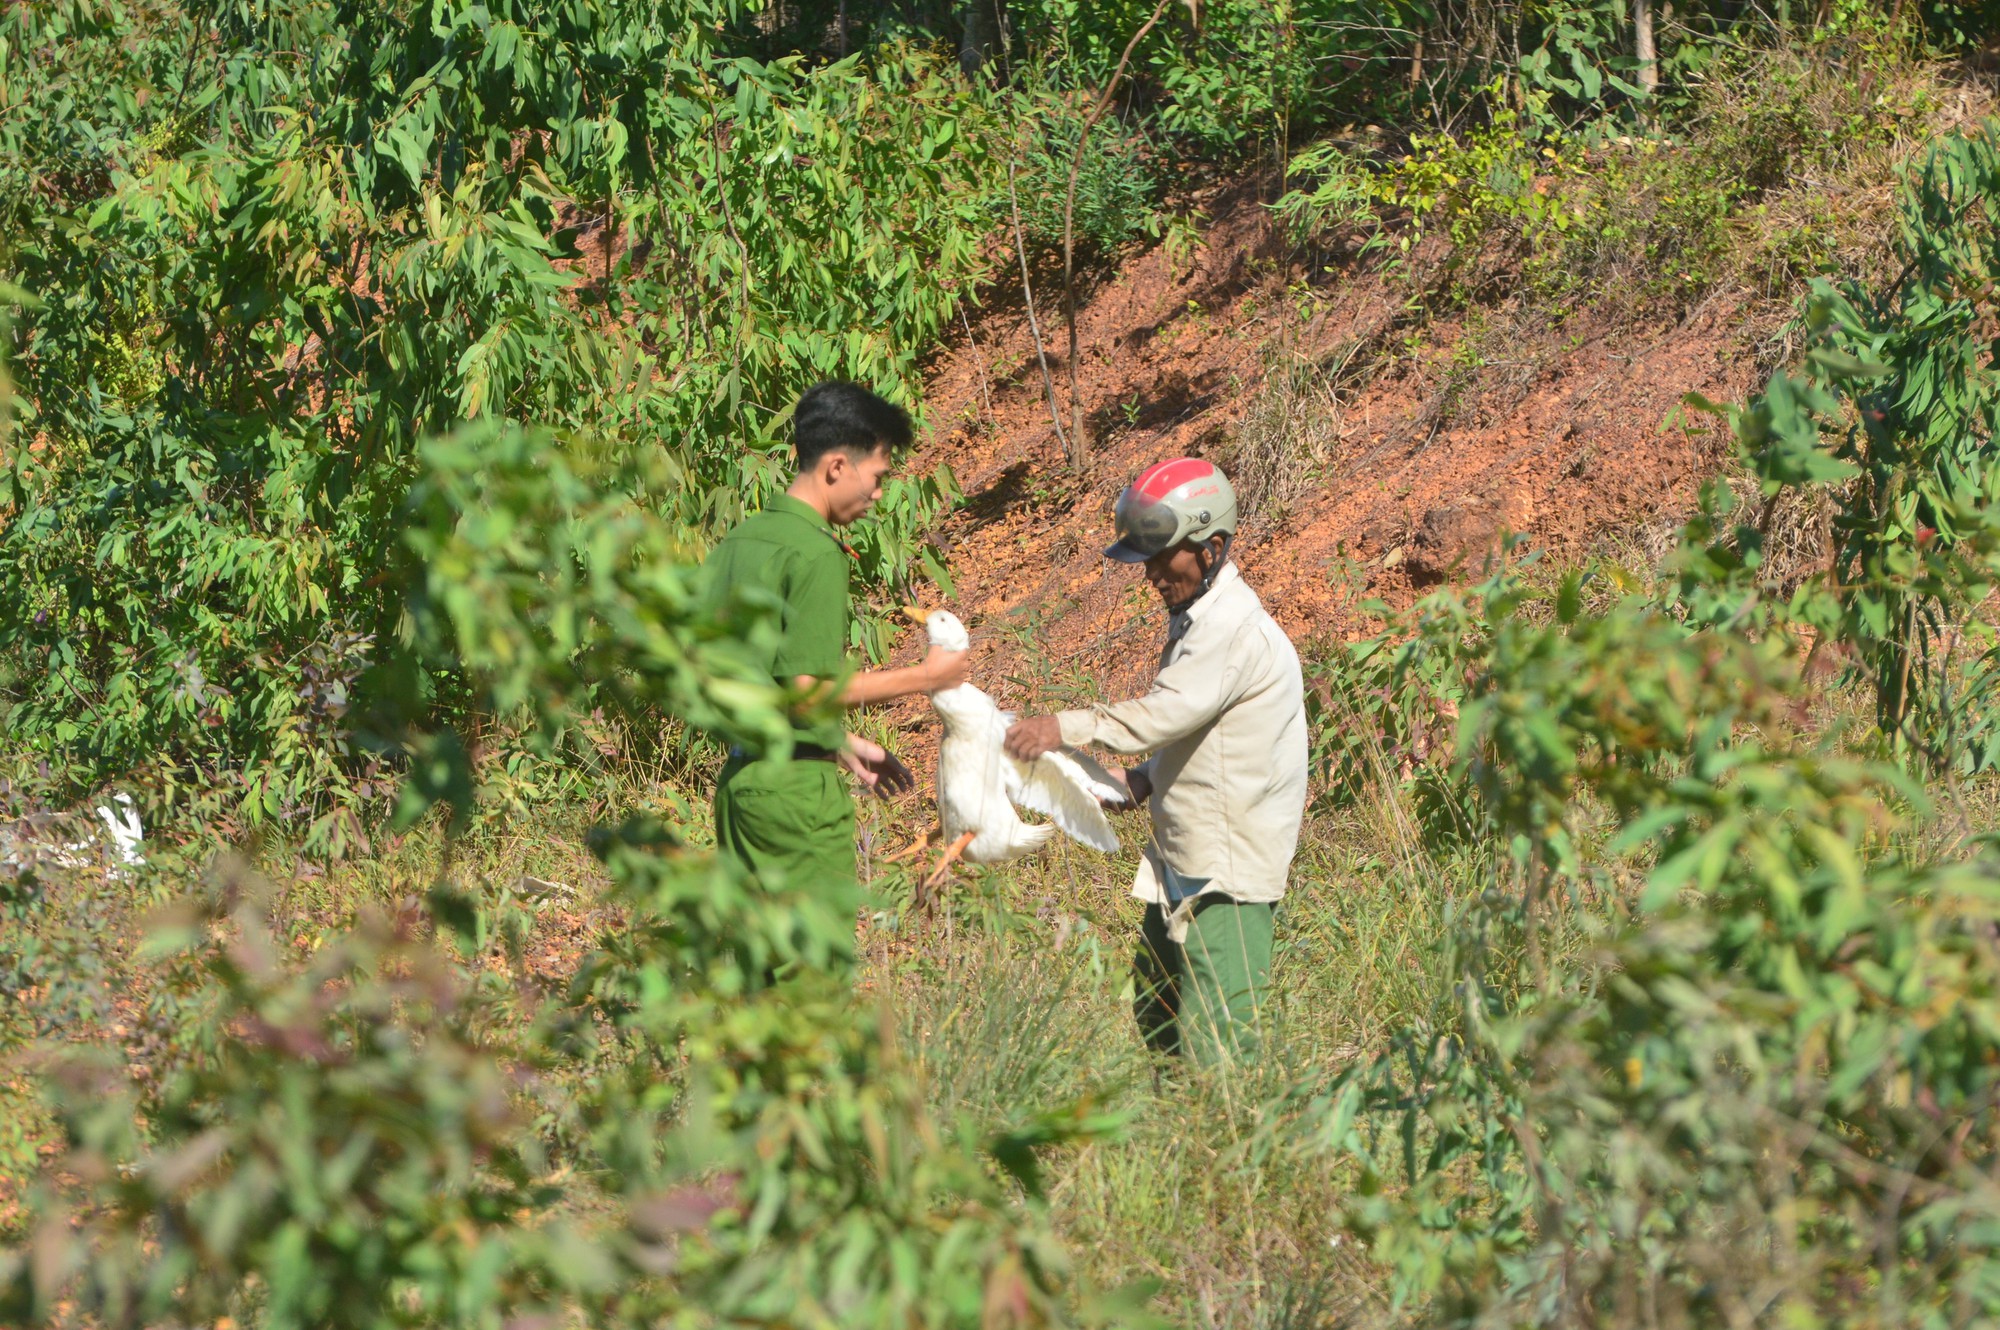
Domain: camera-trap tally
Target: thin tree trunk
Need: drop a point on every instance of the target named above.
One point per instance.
(1034, 326)
(1079, 441)
(1004, 41)
(979, 359)
(1642, 42)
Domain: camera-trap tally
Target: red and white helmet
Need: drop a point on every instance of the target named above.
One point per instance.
(1171, 502)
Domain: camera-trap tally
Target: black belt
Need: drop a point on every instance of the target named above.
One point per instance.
(801, 752)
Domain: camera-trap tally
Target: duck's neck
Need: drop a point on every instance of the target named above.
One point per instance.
(959, 702)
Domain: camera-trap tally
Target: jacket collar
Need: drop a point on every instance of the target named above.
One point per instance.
(1225, 577)
(786, 503)
(1182, 621)
(805, 512)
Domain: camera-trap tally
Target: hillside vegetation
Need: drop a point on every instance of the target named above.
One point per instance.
(377, 374)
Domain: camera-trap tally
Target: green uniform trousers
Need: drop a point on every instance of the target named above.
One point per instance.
(790, 823)
(1204, 996)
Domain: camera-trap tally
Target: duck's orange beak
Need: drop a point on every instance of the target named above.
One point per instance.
(915, 615)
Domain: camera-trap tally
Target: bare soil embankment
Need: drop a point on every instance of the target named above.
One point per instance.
(1413, 445)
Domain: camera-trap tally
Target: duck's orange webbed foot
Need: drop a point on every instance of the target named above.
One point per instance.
(952, 853)
(916, 849)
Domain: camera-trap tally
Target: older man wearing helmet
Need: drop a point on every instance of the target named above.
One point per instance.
(1224, 724)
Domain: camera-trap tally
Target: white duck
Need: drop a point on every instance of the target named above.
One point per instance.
(979, 785)
(126, 833)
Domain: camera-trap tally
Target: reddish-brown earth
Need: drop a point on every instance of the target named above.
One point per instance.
(1563, 426)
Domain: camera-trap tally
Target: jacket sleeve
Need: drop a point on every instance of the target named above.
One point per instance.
(1185, 696)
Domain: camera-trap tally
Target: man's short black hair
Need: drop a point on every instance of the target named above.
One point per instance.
(836, 416)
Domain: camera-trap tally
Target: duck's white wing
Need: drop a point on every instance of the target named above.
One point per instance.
(1059, 786)
(1107, 787)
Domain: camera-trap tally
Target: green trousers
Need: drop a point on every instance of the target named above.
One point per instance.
(790, 823)
(1204, 996)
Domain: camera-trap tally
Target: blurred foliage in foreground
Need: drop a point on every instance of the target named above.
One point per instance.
(380, 1136)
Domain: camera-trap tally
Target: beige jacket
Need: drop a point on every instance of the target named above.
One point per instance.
(1225, 722)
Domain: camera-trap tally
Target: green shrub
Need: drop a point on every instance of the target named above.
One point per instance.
(344, 1157)
(1714, 192)
(1670, 220)
(1117, 187)
(1766, 1077)
(1732, 1093)
(1496, 182)
(587, 218)
(1896, 409)
(369, 1139)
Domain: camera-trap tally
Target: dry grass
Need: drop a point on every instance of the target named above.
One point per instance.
(1018, 994)
(1287, 438)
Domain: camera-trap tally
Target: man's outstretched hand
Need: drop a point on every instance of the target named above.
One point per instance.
(1031, 736)
(876, 767)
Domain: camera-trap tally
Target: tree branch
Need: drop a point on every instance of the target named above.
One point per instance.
(1078, 446)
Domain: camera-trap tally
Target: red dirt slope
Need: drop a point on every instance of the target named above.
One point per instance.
(1559, 430)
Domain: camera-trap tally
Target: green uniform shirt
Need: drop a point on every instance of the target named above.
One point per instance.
(791, 552)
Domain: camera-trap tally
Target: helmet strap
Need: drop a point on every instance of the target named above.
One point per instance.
(1210, 567)
(1178, 618)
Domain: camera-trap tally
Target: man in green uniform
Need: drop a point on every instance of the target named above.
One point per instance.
(792, 821)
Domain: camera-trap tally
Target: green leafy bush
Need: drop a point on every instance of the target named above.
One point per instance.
(1894, 411)
(1728, 1042)
(1705, 1059)
(380, 1136)
(1117, 188)
(1721, 196)
(346, 1156)
(1495, 181)
(1709, 195)
(589, 218)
